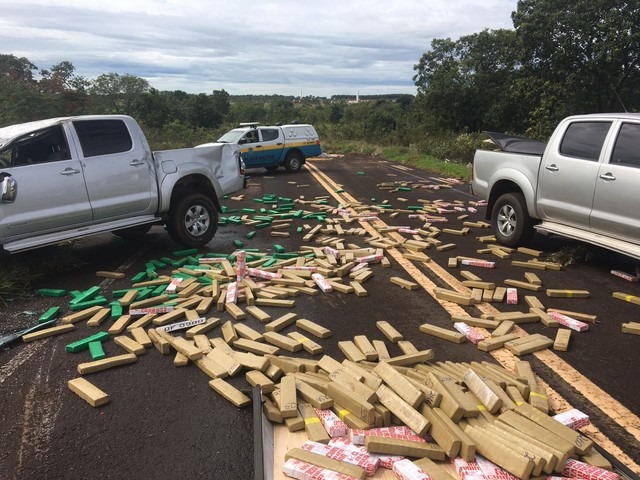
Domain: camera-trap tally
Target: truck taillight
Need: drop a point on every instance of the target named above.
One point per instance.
(318, 142)
(242, 167)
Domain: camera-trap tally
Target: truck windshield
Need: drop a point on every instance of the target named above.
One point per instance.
(231, 136)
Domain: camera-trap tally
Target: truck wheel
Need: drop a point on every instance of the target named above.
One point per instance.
(293, 162)
(193, 221)
(132, 233)
(511, 223)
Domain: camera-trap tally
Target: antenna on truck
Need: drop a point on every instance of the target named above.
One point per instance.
(619, 99)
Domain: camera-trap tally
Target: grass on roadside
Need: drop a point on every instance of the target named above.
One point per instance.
(405, 156)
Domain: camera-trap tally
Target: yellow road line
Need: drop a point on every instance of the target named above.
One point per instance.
(611, 407)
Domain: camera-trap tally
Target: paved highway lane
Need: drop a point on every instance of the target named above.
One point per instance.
(165, 422)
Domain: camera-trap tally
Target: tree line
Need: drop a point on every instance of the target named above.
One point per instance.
(562, 57)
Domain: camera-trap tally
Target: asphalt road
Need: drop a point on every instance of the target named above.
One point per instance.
(165, 422)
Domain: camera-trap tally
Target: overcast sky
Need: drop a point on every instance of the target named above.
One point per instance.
(286, 47)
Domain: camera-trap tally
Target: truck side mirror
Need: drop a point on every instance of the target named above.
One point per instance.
(8, 188)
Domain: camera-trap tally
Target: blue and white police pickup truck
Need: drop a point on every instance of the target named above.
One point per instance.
(286, 146)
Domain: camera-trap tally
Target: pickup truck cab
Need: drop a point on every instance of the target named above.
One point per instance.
(272, 147)
(582, 184)
(70, 177)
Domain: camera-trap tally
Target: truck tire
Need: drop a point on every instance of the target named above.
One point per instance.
(511, 223)
(193, 221)
(293, 162)
(133, 233)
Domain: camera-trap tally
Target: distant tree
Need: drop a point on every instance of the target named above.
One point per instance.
(17, 69)
(61, 78)
(208, 111)
(118, 93)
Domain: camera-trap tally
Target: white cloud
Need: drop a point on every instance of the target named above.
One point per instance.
(323, 48)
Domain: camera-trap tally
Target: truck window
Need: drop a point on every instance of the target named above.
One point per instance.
(269, 134)
(103, 137)
(48, 145)
(584, 140)
(251, 137)
(627, 148)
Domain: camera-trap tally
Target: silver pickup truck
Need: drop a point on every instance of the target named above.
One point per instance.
(65, 178)
(582, 184)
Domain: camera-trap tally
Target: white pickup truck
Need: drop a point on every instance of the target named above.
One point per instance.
(66, 178)
(582, 184)
(288, 146)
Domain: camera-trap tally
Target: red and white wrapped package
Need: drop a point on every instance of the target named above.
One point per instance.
(322, 283)
(460, 209)
(359, 267)
(331, 251)
(353, 456)
(173, 285)
(206, 261)
(551, 477)
(387, 461)
(232, 293)
(468, 470)
(626, 276)
(584, 471)
(305, 471)
(303, 268)
(255, 272)
(569, 322)
(371, 258)
(473, 335)
(512, 296)
(436, 220)
(408, 231)
(472, 210)
(368, 219)
(478, 263)
(446, 210)
(145, 311)
(493, 471)
(345, 443)
(574, 419)
(241, 265)
(407, 470)
(332, 423)
(358, 436)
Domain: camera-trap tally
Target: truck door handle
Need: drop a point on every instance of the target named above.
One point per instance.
(69, 171)
(552, 167)
(279, 143)
(258, 146)
(607, 176)
(136, 163)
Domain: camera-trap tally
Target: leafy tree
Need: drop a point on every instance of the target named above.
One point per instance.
(118, 93)
(466, 83)
(584, 54)
(17, 69)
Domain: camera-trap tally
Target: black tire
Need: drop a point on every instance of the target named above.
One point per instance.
(272, 168)
(133, 233)
(193, 220)
(293, 162)
(510, 220)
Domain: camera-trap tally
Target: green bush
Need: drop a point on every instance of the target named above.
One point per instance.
(451, 147)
